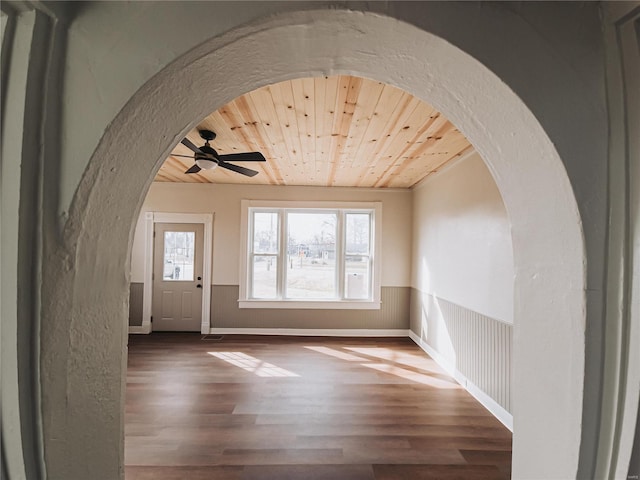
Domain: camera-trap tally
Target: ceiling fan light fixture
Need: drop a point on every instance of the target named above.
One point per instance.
(206, 163)
(206, 158)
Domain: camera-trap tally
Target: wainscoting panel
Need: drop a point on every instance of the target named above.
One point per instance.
(136, 296)
(394, 313)
(477, 346)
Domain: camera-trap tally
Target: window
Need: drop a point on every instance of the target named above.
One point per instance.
(310, 255)
(179, 252)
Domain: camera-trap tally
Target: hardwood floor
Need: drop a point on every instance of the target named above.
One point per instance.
(247, 407)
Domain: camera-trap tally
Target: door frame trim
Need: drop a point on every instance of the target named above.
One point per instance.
(150, 219)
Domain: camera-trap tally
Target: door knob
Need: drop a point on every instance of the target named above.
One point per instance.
(198, 286)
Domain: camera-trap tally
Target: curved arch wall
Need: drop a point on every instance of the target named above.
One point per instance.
(144, 84)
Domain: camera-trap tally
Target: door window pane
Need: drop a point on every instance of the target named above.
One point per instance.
(179, 253)
(311, 255)
(265, 274)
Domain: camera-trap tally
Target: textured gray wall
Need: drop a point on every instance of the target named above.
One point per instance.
(226, 314)
(136, 296)
(481, 345)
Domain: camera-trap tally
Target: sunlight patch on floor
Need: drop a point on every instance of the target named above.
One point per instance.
(252, 364)
(413, 376)
(410, 360)
(337, 353)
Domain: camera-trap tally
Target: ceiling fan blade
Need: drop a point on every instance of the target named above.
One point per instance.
(243, 157)
(185, 156)
(237, 168)
(194, 169)
(189, 144)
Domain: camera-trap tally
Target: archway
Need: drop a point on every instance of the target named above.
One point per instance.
(546, 231)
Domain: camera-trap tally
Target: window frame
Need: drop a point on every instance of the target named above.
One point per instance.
(282, 207)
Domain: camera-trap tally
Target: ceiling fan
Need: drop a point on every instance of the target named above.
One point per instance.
(207, 158)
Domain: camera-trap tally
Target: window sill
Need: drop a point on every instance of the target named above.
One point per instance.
(316, 304)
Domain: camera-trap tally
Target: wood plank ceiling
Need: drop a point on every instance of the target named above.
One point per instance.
(327, 131)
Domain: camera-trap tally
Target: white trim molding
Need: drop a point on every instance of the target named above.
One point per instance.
(617, 431)
(151, 218)
(147, 289)
(489, 403)
(139, 329)
(313, 332)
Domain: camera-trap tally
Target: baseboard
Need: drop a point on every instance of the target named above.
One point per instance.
(313, 332)
(139, 329)
(489, 403)
(446, 365)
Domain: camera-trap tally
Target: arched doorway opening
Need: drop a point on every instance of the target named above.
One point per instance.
(549, 301)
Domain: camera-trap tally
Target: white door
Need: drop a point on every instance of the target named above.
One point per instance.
(177, 277)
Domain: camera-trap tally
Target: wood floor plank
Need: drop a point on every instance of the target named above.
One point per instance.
(281, 456)
(182, 473)
(254, 407)
(308, 472)
(363, 419)
(437, 472)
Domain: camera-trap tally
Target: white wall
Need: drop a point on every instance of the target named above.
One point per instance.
(224, 202)
(462, 305)
(462, 249)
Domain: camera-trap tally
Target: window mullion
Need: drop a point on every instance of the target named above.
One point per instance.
(372, 249)
(250, 249)
(283, 245)
(340, 254)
